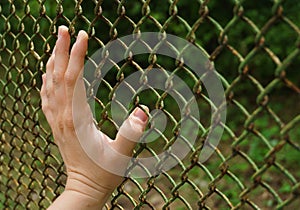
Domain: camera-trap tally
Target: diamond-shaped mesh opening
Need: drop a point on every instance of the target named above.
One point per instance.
(255, 49)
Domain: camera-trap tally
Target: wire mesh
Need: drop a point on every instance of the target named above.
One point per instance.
(255, 48)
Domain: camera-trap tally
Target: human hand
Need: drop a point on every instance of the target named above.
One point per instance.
(64, 105)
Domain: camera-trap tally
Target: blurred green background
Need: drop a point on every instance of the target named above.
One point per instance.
(255, 49)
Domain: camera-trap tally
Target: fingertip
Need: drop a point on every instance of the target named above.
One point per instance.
(62, 30)
(80, 47)
(141, 113)
(61, 58)
(63, 40)
(82, 35)
(82, 40)
(131, 130)
(134, 126)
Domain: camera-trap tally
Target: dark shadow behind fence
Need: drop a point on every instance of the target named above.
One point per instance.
(255, 48)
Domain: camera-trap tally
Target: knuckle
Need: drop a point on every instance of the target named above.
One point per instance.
(49, 93)
(45, 108)
(69, 79)
(60, 125)
(68, 120)
(57, 77)
(69, 123)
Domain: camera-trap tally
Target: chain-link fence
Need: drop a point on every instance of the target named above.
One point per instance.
(255, 48)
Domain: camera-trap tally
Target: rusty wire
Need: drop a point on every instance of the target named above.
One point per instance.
(31, 169)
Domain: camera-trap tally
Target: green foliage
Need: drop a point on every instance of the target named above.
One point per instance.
(18, 33)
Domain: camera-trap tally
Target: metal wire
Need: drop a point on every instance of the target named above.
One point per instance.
(256, 164)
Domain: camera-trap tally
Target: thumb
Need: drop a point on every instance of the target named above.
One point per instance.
(131, 131)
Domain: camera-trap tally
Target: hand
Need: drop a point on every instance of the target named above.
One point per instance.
(68, 114)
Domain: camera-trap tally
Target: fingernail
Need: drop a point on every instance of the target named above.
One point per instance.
(140, 114)
(80, 34)
(61, 30)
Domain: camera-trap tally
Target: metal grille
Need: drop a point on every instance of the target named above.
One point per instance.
(255, 48)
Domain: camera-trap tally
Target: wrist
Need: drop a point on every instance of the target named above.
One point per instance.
(87, 189)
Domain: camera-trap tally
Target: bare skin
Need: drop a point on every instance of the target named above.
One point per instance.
(88, 185)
